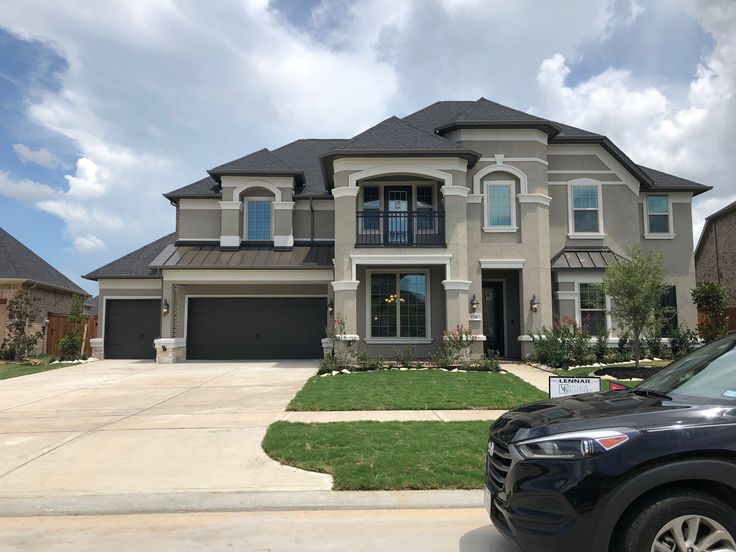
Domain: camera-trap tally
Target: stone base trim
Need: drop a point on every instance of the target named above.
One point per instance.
(170, 350)
(97, 346)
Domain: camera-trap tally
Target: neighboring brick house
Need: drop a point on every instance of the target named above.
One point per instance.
(464, 213)
(22, 268)
(715, 255)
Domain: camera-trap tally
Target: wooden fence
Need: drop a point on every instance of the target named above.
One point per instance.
(59, 326)
(730, 312)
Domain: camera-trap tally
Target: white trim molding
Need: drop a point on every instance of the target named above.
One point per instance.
(283, 205)
(231, 205)
(345, 285)
(230, 241)
(515, 160)
(475, 198)
(669, 235)
(456, 285)
(344, 191)
(417, 170)
(572, 234)
(170, 342)
(97, 343)
(487, 226)
(400, 261)
(283, 241)
(502, 263)
(257, 184)
(485, 171)
(539, 199)
(461, 191)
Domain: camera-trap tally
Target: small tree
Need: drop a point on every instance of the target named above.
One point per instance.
(712, 300)
(70, 345)
(636, 288)
(22, 313)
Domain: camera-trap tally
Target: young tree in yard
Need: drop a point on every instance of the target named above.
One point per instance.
(71, 344)
(22, 312)
(711, 299)
(636, 288)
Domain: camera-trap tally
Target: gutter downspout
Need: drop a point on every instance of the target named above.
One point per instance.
(311, 221)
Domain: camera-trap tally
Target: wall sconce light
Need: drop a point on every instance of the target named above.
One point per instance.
(534, 303)
(330, 307)
(474, 304)
(165, 308)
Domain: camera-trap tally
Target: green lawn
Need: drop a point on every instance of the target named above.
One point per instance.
(10, 369)
(417, 390)
(385, 455)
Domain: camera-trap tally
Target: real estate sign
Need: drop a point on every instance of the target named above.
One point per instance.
(565, 387)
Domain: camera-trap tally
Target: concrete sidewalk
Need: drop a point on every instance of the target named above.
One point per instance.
(534, 376)
(393, 416)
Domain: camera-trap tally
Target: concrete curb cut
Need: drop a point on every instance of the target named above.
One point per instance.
(118, 504)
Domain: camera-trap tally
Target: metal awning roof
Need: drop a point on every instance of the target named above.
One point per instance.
(248, 256)
(585, 258)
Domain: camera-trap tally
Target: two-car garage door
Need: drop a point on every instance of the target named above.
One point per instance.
(234, 328)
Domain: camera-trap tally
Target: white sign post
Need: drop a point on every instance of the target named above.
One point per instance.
(566, 387)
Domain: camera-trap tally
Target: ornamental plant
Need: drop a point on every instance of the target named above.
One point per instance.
(711, 300)
(20, 339)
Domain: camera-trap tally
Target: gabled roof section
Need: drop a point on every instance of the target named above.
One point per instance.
(585, 258)
(484, 113)
(257, 163)
(709, 221)
(670, 183)
(135, 264)
(19, 262)
(433, 116)
(305, 154)
(205, 188)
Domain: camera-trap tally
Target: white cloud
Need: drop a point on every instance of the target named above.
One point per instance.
(688, 134)
(88, 244)
(25, 190)
(41, 156)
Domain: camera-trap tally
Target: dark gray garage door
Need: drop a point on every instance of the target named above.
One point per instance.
(255, 327)
(131, 325)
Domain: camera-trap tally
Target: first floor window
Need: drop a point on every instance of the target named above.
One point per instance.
(585, 208)
(398, 304)
(500, 208)
(258, 220)
(658, 214)
(592, 308)
(668, 304)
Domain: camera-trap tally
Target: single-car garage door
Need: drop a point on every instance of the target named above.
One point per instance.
(131, 325)
(233, 328)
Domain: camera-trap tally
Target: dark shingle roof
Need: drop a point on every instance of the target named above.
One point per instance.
(305, 154)
(259, 162)
(585, 257)
(135, 264)
(92, 304)
(207, 187)
(433, 116)
(19, 262)
(671, 183)
(248, 256)
(394, 134)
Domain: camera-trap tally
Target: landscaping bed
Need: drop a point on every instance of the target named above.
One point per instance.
(628, 373)
(415, 390)
(385, 455)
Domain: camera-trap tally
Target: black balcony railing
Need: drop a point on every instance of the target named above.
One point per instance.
(400, 228)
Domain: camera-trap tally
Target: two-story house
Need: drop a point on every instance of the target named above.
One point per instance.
(464, 213)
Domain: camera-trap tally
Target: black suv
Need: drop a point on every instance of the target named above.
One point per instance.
(651, 469)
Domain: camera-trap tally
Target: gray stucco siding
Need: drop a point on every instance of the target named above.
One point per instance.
(576, 162)
(509, 148)
(199, 224)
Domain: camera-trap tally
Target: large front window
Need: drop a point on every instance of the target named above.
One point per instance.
(593, 308)
(258, 220)
(585, 209)
(500, 206)
(398, 305)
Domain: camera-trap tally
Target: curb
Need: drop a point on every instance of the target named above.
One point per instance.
(120, 504)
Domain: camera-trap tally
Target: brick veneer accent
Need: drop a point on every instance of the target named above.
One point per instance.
(50, 301)
(716, 259)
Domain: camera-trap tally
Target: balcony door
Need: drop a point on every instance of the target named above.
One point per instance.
(398, 204)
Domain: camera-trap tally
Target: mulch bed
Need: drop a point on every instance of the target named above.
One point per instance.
(627, 373)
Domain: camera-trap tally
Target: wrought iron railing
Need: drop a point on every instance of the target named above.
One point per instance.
(400, 228)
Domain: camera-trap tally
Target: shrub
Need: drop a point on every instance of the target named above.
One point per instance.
(625, 352)
(327, 364)
(70, 346)
(682, 341)
(653, 342)
(444, 357)
(365, 362)
(403, 357)
(600, 349)
(487, 364)
(22, 312)
(712, 300)
(563, 346)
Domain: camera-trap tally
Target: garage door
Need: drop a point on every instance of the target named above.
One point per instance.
(255, 327)
(131, 325)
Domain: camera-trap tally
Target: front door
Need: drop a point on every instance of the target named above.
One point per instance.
(493, 317)
(398, 223)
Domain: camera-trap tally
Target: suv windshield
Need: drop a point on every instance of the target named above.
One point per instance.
(707, 373)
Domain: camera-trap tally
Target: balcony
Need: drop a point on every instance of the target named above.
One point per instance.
(400, 228)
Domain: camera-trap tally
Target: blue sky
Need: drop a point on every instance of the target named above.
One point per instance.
(101, 115)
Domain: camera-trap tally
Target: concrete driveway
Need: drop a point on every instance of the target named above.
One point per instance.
(132, 427)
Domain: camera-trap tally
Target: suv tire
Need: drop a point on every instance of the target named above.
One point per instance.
(671, 509)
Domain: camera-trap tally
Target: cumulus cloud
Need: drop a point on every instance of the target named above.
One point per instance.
(88, 244)
(41, 156)
(25, 190)
(686, 132)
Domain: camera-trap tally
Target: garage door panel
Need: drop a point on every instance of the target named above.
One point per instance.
(255, 327)
(131, 326)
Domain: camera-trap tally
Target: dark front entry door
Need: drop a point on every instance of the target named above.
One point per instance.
(240, 328)
(398, 219)
(131, 325)
(493, 317)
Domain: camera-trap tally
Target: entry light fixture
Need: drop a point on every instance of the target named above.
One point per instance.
(330, 307)
(534, 303)
(474, 304)
(165, 308)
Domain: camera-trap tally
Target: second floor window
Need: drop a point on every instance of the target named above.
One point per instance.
(258, 220)
(371, 207)
(592, 308)
(585, 209)
(425, 206)
(658, 214)
(500, 209)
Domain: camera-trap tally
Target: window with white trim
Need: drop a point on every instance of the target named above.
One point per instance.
(586, 208)
(658, 216)
(593, 308)
(398, 305)
(500, 206)
(258, 219)
(371, 207)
